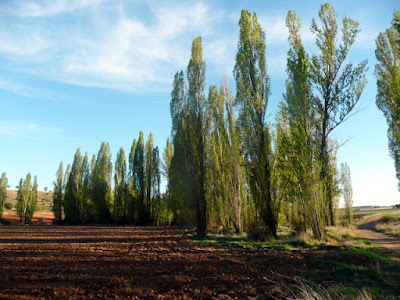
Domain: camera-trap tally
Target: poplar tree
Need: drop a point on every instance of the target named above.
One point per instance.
(346, 191)
(86, 214)
(58, 194)
(102, 177)
(166, 167)
(74, 190)
(387, 72)
(225, 176)
(3, 192)
(132, 184)
(139, 178)
(296, 147)
(26, 204)
(252, 86)
(149, 178)
(337, 86)
(33, 200)
(157, 204)
(180, 182)
(195, 133)
(120, 187)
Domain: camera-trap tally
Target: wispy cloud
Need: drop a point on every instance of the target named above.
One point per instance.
(29, 130)
(117, 49)
(45, 8)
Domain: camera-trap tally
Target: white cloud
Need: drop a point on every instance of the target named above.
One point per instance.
(116, 49)
(30, 130)
(49, 8)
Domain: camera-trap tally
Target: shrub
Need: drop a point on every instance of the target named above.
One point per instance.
(8, 206)
(390, 218)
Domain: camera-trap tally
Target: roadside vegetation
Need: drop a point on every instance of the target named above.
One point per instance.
(390, 224)
(343, 266)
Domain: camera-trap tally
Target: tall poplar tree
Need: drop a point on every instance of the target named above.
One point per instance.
(296, 147)
(33, 200)
(139, 178)
(149, 178)
(195, 133)
(166, 166)
(346, 191)
(74, 190)
(58, 194)
(180, 180)
(102, 177)
(85, 205)
(252, 86)
(337, 86)
(131, 184)
(3, 192)
(26, 199)
(120, 187)
(387, 72)
(225, 174)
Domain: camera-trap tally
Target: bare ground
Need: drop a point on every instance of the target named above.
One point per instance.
(366, 230)
(108, 262)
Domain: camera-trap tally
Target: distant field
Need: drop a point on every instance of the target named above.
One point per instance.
(381, 210)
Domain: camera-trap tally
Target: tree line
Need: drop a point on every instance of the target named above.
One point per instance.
(245, 173)
(226, 167)
(86, 192)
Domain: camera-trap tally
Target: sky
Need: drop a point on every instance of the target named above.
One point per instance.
(78, 72)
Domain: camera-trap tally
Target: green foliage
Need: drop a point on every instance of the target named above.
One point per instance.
(346, 190)
(188, 164)
(121, 196)
(387, 72)
(252, 85)
(3, 192)
(74, 190)
(337, 87)
(225, 178)
(26, 199)
(102, 177)
(58, 194)
(139, 178)
(8, 206)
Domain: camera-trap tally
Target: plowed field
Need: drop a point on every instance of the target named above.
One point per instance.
(99, 262)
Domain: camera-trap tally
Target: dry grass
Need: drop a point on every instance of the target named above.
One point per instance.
(390, 224)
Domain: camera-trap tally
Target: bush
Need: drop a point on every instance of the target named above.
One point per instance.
(8, 206)
(258, 233)
(390, 218)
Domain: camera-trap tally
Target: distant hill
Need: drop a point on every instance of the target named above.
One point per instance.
(45, 199)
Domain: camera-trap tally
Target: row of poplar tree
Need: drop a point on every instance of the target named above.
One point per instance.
(88, 193)
(225, 166)
(244, 173)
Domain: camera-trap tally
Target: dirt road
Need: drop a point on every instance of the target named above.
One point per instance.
(366, 230)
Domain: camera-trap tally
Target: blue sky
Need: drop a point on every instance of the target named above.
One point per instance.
(76, 73)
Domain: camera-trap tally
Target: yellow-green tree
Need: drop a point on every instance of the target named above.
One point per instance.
(387, 72)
